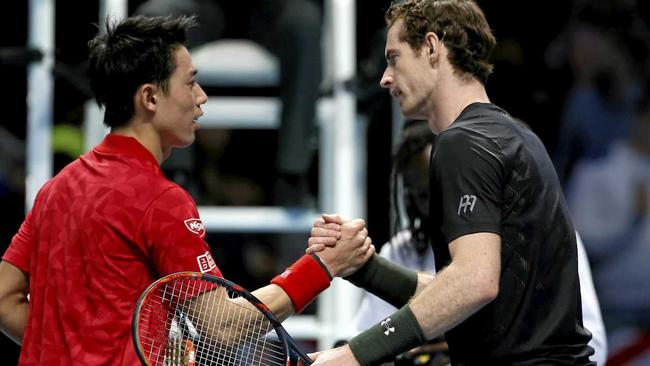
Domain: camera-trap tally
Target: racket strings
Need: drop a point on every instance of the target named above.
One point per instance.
(245, 334)
(194, 322)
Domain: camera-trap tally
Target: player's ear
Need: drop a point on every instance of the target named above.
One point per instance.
(431, 45)
(147, 96)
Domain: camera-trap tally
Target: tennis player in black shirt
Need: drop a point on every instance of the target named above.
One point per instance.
(507, 292)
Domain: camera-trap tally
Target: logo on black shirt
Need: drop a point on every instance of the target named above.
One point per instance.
(465, 202)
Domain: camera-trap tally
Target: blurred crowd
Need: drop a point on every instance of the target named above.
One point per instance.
(603, 159)
(577, 72)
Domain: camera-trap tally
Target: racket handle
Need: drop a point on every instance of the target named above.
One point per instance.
(298, 354)
(190, 353)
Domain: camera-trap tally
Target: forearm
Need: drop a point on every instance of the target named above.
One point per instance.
(448, 300)
(13, 317)
(439, 306)
(14, 303)
(276, 300)
(222, 319)
(424, 279)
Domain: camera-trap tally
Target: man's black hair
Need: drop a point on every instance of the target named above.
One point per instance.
(132, 52)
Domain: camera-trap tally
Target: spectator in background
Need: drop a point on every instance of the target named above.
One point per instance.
(606, 45)
(610, 202)
(291, 30)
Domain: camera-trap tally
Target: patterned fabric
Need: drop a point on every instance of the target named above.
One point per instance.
(99, 233)
(491, 174)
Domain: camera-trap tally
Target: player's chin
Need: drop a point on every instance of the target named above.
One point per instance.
(412, 111)
(186, 141)
(408, 111)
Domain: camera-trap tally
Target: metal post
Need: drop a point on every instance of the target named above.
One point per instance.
(93, 128)
(345, 194)
(115, 9)
(40, 87)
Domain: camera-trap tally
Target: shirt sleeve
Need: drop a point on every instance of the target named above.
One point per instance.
(174, 235)
(469, 173)
(19, 251)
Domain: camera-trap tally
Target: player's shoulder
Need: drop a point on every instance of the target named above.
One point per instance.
(172, 196)
(479, 126)
(63, 178)
(144, 182)
(173, 191)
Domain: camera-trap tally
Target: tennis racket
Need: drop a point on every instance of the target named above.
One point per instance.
(195, 319)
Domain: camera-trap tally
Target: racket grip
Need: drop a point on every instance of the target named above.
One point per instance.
(298, 355)
(190, 353)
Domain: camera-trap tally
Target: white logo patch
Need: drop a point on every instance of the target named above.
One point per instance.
(286, 273)
(465, 202)
(386, 324)
(206, 262)
(195, 226)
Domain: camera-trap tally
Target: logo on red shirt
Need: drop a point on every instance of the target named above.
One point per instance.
(196, 226)
(206, 262)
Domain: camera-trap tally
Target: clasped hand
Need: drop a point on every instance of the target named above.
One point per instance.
(343, 246)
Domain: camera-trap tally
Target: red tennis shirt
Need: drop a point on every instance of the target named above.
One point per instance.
(99, 233)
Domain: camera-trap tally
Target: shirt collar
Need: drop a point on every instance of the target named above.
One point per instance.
(118, 144)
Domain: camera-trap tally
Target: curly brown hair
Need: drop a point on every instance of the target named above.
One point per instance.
(460, 24)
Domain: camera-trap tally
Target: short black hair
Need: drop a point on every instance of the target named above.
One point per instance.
(132, 52)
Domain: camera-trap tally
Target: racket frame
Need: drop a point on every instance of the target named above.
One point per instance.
(290, 348)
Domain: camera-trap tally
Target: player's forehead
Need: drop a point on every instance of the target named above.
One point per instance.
(393, 40)
(183, 60)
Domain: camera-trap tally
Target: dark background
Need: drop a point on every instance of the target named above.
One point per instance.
(521, 84)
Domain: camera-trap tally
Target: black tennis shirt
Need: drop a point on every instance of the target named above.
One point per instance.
(489, 173)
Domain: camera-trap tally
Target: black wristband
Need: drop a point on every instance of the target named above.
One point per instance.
(387, 280)
(398, 333)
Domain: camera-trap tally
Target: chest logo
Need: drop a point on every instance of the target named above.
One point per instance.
(466, 201)
(206, 262)
(195, 226)
(386, 324)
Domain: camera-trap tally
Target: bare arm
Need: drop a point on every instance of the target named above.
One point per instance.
(470, 282)
(274, 297)
(423, 281)
(14, 287)
(354, 249)
(226, 322)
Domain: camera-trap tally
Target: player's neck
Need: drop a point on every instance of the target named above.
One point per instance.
(454, 95)
(146, 136)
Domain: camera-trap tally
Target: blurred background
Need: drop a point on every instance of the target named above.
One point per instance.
(575, 71)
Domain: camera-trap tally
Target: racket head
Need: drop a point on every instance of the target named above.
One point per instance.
(192, 319)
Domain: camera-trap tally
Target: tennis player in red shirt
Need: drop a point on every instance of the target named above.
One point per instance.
(110, 223)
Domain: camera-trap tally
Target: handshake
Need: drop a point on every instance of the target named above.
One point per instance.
(342, 246)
